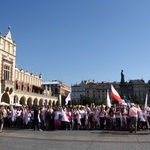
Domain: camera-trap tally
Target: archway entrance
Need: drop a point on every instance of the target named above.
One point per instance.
(22, 100)
(5, 98)
(29, 102)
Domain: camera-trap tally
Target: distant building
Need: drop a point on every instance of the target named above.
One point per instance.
(137, 89)
(134, 89)
(58, 89)
(92, 89)
(78, 90)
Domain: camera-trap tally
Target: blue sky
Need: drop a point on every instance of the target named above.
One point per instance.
(74, 40)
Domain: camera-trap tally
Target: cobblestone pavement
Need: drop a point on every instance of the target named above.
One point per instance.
(74, 140)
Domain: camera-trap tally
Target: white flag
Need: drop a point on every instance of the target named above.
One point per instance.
(146, 101)
(68, 98)
(108, 100)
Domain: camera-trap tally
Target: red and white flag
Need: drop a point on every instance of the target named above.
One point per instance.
(115, 95)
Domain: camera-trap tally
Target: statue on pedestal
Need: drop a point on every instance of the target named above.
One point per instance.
(122, 77)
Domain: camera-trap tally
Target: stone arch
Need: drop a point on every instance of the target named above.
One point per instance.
(50, 103)
(23, 100)
(53, 103)
(29, 101)
(35, 101)
(46, 102)
(7, 89)
(16, 99)
(41, 102)
(11, 90)
(57, 103)
(5, 98)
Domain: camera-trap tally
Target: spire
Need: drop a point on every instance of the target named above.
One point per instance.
(40, 75)
(9, 28)
(8, 35)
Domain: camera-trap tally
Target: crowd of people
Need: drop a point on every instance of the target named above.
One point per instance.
(116, 117)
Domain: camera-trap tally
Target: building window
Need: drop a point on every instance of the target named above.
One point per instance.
(16, 85)
(6, 72)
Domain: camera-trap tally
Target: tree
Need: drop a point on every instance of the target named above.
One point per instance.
(137, 100)
(74, 102)
(88, 100)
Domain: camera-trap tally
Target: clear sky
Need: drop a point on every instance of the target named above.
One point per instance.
(75, 40)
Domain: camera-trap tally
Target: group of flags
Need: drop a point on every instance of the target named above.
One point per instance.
(114, 95)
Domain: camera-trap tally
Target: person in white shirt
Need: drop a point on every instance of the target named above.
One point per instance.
(125, 117)
(102, 115)
(87, 116)
(82, 112)
(68, 114)
(57, 114)
(12, 115)
(148, 117)
(1, 118)
(28, 118)
(5, 115)
(95, 118)
(78, 117)
(143, 118)
(107, 117)
(63, 119)
(43, 112)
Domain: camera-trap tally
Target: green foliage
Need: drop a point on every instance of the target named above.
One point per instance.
(85, 100)
(88, 100)
(137, 100)
(74, 102)
(104, 101)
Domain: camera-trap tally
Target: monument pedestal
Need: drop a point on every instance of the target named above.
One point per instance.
(123, 90)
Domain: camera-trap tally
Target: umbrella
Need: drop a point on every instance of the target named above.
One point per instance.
(3, 103)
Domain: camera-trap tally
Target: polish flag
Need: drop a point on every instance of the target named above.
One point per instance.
(115, 95)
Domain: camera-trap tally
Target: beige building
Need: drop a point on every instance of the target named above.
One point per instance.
(17, 85)
(57, 88)
(92, 89)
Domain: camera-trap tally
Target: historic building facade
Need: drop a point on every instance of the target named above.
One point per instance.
(129, 91)
(17, 85)
(57, 88)
(92, 89)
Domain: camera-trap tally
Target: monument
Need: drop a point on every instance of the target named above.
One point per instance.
(122, 77)
(123, 86)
